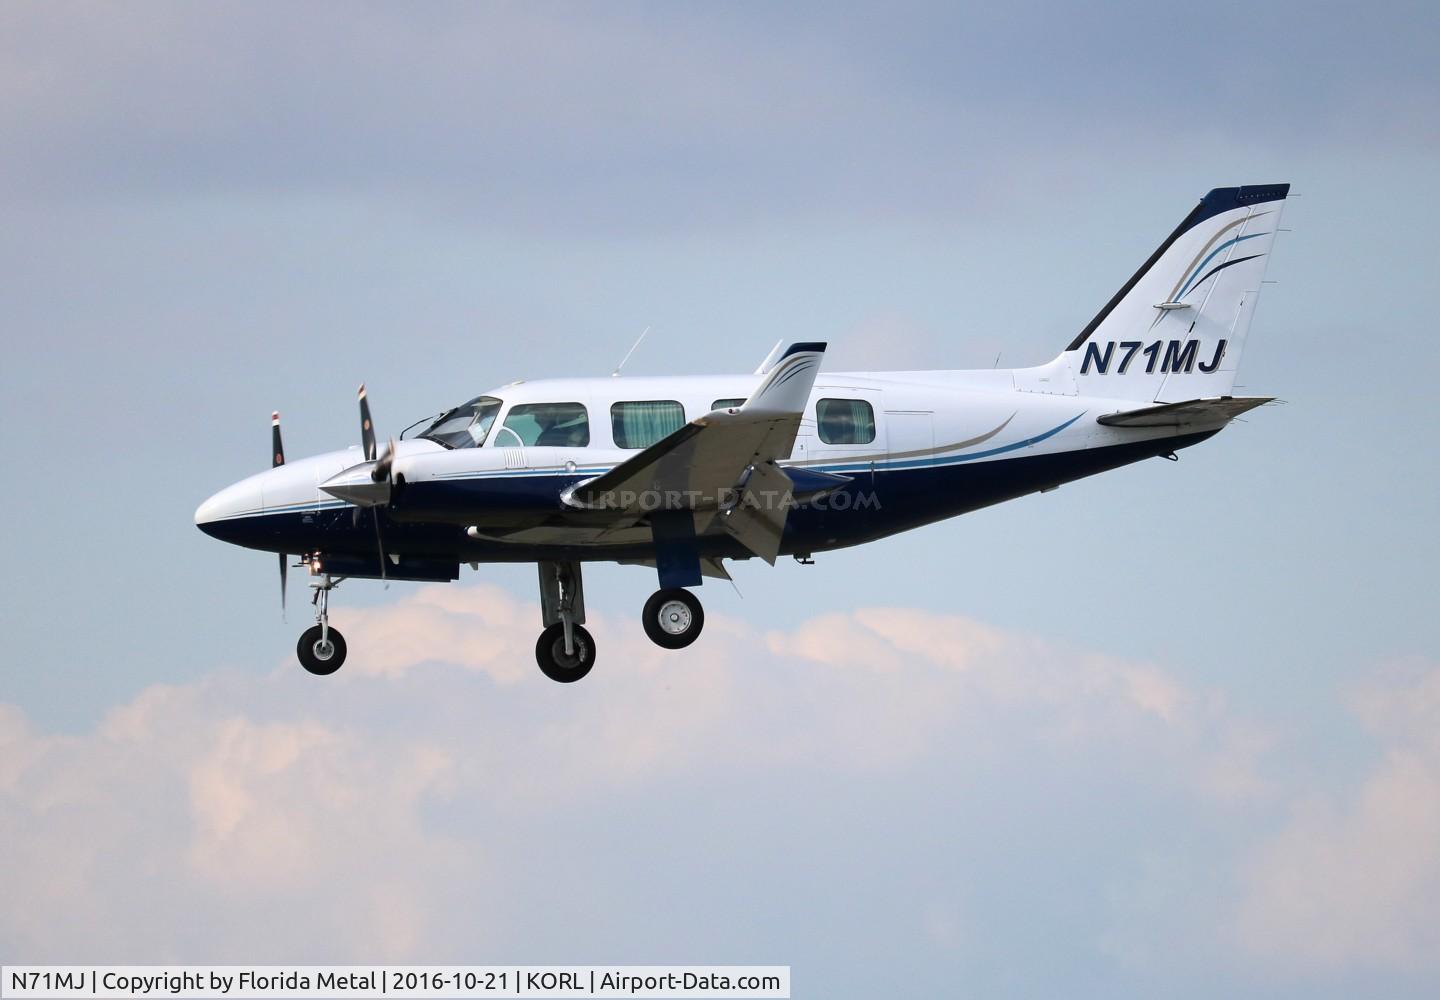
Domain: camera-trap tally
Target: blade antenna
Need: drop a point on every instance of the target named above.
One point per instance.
(616, 372)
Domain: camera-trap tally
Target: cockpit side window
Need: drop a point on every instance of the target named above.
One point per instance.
(641, 423)
(466, 426)
(545, 425)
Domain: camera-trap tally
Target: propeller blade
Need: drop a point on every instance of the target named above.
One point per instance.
(381, 472)
(380, 545)
(277, 459)
(367, 427)
(277, 447)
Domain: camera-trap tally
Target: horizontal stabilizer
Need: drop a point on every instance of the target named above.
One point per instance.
(1213, 410)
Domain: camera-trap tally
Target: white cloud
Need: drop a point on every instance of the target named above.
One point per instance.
(268, 793)
(438, 791)
(1354, 877)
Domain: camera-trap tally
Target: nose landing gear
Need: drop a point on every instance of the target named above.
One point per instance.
(321, 649)
(564, 651)
(556, 662)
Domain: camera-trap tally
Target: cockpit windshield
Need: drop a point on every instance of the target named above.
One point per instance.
(466, 426)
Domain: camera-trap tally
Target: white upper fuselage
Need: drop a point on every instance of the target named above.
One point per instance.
(921, 418)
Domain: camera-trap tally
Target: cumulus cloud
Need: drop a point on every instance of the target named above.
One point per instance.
(438, 792)
(360, 804)
(182, 820)
(1353, 878)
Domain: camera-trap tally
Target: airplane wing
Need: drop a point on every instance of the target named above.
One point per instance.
(1210, 410)
(721, 461)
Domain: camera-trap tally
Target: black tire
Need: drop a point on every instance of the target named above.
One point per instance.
(317, 659)
(550, 654)
(673, 618)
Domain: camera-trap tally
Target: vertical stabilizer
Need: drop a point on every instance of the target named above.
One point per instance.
(1177, 328)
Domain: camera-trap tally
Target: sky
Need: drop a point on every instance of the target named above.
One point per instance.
(1168, 731)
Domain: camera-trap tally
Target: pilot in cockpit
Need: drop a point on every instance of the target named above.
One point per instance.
(554, 434)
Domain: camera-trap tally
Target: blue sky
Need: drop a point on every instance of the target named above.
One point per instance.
(1165, 728)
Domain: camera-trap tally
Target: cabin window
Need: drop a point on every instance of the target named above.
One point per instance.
(640, 424)
(845, 421)
(545, 425)
(727, 404)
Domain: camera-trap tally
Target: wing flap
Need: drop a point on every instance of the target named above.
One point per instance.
(758, 520)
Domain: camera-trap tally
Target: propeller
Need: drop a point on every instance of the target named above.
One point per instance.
(380, 473)
(277, 459)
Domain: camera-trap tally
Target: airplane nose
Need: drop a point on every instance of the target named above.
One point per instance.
(207, 511)
(222, 509)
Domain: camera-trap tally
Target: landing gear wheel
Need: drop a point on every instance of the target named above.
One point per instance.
(558, 665)
(321, 657)
(673, 618)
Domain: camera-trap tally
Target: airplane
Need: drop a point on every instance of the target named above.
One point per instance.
(682, 473)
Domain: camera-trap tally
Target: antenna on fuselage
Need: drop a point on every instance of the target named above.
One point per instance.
(616, 372)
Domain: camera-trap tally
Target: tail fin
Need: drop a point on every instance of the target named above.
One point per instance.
(1176, 329)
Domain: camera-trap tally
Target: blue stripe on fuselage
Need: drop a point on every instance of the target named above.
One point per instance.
(907, 498)
(921, 463)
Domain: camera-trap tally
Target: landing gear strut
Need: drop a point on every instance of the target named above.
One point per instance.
(321, 649)
(564, 651)
(673, 618)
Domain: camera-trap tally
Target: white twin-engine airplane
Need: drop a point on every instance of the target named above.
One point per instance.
(682, 473)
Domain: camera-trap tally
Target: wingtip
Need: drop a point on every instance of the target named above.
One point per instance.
(810, 346)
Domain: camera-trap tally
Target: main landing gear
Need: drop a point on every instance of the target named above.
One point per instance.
(565, 651)
(321, 649)
(673, 618)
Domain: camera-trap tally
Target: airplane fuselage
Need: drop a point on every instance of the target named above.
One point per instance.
(944, 443)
